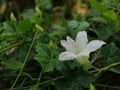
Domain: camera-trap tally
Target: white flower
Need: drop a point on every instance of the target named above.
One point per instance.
(80, 48)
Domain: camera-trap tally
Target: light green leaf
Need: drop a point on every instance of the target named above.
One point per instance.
(111, 14)
(14, 65)
(72, 24)
(83, 25)
(99, 19)
(28, 14)
(101, 8)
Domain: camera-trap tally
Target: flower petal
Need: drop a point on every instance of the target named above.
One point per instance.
(84, 53)
(94, 45)
(81, 40)
(66, 56)
(65, 44)
(70, 45)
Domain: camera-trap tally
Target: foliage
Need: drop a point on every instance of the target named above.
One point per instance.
(30, 45)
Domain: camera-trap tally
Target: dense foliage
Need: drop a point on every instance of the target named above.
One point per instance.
(30, 44)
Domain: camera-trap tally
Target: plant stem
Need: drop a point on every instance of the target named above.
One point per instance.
(41, 82)
(39, 78)
(10, 47)
(51, 80)
(115, 87)
(27, 55)
(106, 68)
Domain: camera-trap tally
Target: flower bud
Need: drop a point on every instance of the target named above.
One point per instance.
(51, 45)
(38, 11)
(39, 27)
(92, 87)
(12, 17)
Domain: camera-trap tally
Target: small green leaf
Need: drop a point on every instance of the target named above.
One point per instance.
(83, 25)
(14, 65)
(72, 24)
(101, 8)
(111, 14)
(8, 27)
(28, 14)
(7, 35)
(24, 25)
(99, 19)
(46, 4)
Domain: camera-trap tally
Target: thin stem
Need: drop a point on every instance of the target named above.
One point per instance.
(106, 68)
(115, 87)
(51, 80)
(10, 47)
(39, 78)
(27, 75)
(41, 82)
(27, 55)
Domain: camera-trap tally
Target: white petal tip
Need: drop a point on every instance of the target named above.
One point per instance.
(102, 42)
(94, 45)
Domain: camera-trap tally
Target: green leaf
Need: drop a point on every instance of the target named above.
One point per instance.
(14, 65)
(24, 25)
(8, 27)
(111, 14)
(7, 35)
(74, 27)
(76, 75)
(65, 84)
(72, 24)
(111, 54)
(45, 58)
(99, 19)
(84, 79)
(9, 31)
(58, 31)
(105, 31)
(101, 8)
(4, 44)
(46, 4)
(28, 14)
(83, 25)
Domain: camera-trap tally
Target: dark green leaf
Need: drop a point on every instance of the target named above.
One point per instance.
(110, 55)
(45, 58)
